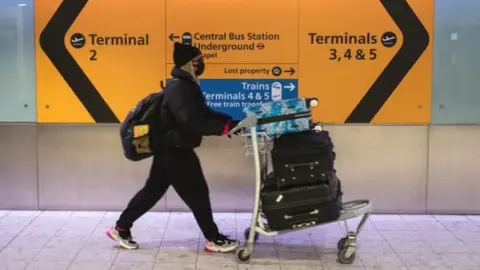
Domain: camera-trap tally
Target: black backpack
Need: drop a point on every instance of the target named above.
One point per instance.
(142, 125)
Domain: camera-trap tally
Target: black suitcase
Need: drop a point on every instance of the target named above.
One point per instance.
(297, 207)
(302, 158)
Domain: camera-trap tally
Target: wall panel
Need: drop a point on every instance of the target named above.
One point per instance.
(18, 167)
(387, 164)
(454, 170)
(81, 167)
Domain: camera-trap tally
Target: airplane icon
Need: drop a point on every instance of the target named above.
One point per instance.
(75, 40)
(389, 39)
(385, 39)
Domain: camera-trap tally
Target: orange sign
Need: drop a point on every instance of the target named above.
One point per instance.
(368, 61)
(236, 31)
(97, 59)
(250, 47)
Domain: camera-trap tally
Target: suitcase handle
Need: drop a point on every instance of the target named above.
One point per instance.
(301, 215)
(304, 224)
(308, 164)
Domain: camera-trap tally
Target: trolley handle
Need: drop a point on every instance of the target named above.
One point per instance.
(248, 122)
(281, 118)
(310, 103)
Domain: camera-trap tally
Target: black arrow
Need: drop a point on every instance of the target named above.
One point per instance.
(291, 71)
(52, 42)
(173, 37)
(415, 42)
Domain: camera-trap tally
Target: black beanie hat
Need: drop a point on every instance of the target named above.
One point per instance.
(183, 53)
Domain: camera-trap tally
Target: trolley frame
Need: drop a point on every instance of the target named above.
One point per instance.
(258, 145)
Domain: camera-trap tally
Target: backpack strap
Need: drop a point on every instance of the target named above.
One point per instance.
(157, 99)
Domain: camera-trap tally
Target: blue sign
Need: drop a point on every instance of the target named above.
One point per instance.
(232, 95)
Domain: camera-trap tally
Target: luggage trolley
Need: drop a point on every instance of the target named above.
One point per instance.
(259, 145)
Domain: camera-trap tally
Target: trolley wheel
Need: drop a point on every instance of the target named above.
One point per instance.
(247, 232)
(342, 256)
(242, 257)
(341, 243)
(313, 102)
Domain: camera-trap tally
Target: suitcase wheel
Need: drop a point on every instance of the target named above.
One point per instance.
(313, 103)
(242, 255)
(246, 233)
(317, 127)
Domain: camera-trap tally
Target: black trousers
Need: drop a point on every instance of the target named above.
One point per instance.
(180, 168)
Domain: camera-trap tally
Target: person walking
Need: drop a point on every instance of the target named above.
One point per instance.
(186, 119)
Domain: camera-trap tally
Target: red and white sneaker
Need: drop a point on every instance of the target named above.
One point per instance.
(221, 244)
(122, 237)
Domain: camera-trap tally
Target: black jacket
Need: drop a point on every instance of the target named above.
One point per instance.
(185, 114)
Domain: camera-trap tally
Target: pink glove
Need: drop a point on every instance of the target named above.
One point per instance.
(226, 128)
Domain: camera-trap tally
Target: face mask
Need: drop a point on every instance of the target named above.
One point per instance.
(200, 68)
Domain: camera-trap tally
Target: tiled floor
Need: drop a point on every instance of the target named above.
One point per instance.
(66, 240)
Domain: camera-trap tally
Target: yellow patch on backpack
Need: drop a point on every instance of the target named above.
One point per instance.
(140, 130)
(141, 140)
